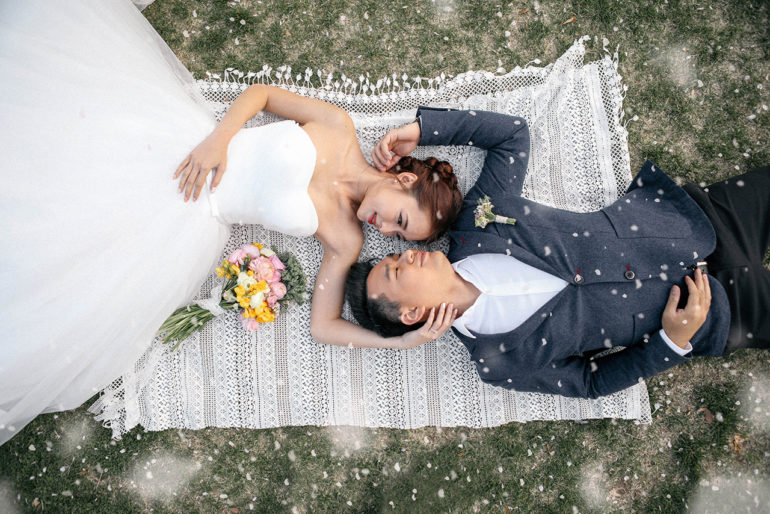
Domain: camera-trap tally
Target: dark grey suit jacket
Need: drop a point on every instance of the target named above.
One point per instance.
(620, 263)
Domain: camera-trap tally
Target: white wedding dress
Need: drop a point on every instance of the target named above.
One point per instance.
(98, 248)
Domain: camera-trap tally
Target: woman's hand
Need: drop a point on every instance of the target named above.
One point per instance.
(397, 143)
(210, 154)
(434, 327)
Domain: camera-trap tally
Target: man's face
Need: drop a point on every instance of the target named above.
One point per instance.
(412, 279)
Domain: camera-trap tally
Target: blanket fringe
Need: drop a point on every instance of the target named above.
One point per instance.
(321, 84)
(109, 409)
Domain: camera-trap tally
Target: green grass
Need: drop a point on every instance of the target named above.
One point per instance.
(685, 64)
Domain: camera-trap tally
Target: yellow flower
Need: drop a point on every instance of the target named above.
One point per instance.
(225, 264)
(258, 245)
(228, 276)
(261, 308)
(250, 273)
(234, 269)
(262, 287)
(220, 272)
(240, 291)
(266, 314)
(243, 302)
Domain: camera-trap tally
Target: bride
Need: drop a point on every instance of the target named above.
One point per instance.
(97, 246)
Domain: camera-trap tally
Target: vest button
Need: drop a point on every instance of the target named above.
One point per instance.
(630, 275)
(578, 279)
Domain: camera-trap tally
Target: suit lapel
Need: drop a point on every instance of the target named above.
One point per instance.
(487, 345)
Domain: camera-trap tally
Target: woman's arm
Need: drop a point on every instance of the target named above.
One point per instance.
(211, 153)
(506, 139)
(328, 327)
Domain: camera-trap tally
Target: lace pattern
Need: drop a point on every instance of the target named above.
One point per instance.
(227, 377)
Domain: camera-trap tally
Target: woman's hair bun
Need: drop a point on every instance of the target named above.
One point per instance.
(447, 172)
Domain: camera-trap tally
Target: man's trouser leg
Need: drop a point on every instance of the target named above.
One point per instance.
(739, 209)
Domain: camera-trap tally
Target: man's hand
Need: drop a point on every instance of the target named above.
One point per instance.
(433, 328)
(397, 143)
(681, 324)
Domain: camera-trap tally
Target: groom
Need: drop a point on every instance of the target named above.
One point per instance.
(538, 299)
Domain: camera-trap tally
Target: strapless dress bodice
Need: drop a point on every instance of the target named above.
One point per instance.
(266, 181)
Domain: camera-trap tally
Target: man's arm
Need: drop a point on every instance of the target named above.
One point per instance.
(585, 378)
(582, 377)
(506, 139)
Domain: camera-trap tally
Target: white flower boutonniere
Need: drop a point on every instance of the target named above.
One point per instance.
(484, 215)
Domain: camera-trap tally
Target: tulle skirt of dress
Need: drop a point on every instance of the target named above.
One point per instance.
(97, 246)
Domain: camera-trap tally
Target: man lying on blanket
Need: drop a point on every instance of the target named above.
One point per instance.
(537, 300)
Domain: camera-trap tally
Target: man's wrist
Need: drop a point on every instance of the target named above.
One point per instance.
(414, 129)
(681, 350)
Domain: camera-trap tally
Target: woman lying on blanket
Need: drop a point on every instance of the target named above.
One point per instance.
(327, 189)
(92, 197)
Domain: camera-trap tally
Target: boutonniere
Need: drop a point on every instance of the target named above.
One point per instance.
(484, 215)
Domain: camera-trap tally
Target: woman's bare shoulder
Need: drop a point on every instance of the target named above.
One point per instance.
(341, 236)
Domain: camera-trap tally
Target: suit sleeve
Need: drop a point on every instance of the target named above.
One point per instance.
(582, 377)
(506, 139)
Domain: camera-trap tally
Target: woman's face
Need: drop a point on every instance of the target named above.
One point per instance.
(392, 209)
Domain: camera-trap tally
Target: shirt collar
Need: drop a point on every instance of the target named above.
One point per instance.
(460, 321)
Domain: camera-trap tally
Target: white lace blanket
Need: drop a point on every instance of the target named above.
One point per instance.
(227, 377)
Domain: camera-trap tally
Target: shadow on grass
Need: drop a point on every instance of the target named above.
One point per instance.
(696, 446)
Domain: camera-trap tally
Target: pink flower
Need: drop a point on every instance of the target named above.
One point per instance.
(250, 324)
(276, 278)
(251, 250)
(277, 264)
(237, 257)
(278, 289)
(271, 300)
(241, 253)
(263, 269)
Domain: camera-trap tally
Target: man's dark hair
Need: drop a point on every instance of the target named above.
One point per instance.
(377, 314)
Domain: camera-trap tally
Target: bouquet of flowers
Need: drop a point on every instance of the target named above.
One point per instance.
(256, 280)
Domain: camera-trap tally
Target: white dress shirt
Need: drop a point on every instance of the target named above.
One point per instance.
(511, 292)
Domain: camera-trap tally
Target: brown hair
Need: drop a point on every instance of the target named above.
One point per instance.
(435, 189)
